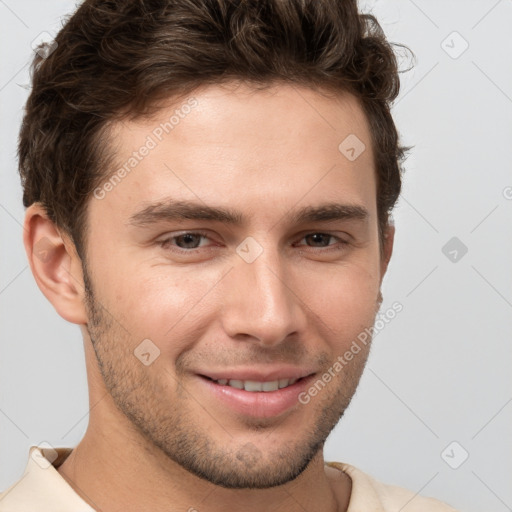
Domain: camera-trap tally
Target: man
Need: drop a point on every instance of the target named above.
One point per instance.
(208, 186)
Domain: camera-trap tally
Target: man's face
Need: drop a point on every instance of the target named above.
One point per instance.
(269, 293)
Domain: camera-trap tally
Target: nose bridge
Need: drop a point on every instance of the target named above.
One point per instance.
(261, 303)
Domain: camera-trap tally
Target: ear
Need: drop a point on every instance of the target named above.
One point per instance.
(389, 238)
(55, 264)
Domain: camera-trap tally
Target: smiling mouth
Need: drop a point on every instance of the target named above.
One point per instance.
(256, 386)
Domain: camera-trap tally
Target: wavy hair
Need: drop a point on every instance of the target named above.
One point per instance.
(117, 59)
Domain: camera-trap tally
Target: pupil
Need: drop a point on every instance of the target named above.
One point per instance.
(188, 238)
(317, 237)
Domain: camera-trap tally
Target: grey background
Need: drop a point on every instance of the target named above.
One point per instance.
(440, 371)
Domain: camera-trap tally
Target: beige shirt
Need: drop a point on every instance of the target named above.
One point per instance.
(43, 489)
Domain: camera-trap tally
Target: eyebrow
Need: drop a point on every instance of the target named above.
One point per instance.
(170, 210)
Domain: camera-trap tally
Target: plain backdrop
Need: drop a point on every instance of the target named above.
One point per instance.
(434, 407)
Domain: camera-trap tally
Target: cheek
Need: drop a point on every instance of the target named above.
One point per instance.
(162, 304)
(343, 298)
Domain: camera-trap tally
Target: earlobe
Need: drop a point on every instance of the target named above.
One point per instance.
(55, 264)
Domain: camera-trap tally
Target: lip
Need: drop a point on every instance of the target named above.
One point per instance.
(256, 404)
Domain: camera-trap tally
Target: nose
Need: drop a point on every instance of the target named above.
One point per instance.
(262, 302)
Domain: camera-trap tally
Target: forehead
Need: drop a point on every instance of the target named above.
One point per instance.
(229, 143)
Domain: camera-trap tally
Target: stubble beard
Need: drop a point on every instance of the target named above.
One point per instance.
(169, 425)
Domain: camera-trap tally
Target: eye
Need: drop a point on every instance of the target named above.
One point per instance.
(187, 241)
(192, 241)
(321, 240)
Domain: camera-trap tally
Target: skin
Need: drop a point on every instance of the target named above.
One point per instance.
(157, 438)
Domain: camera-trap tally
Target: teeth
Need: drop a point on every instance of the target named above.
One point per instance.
(251, 385)
(283, 383)
(270, 386)
(238, 384)
(254, 386)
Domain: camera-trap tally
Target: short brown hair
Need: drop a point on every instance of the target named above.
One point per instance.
(117, 58)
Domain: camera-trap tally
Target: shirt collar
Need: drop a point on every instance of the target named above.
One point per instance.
(42, 487)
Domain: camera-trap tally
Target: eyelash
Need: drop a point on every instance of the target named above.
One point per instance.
(165, 244)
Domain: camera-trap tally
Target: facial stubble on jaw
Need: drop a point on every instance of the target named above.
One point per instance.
(172, 429)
